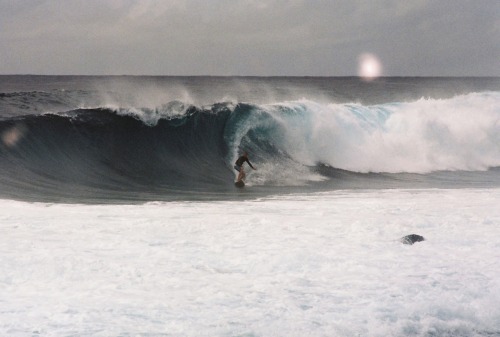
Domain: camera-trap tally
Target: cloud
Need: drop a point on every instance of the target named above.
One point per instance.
(248, 37)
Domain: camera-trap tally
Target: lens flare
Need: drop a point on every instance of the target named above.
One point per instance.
(13, 135)
(369, 66)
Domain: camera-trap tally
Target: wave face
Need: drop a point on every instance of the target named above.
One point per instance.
(178, 150)
(100, 151)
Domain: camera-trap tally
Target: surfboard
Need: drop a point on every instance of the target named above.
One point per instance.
(239, 184)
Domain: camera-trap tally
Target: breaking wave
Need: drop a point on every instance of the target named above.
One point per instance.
(141, 153)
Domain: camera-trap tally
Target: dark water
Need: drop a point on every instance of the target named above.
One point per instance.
(135, 139)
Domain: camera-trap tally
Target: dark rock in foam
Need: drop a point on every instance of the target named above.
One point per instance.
(411, 239)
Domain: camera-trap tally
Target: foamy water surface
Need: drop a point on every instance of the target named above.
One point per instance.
(326, 264)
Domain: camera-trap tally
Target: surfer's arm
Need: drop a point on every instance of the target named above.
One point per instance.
(248, 161)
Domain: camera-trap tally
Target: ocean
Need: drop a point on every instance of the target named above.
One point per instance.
(119, 215)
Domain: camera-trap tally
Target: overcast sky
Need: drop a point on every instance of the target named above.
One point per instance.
(249, 37)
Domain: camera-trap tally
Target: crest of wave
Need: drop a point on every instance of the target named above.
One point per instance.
(460, 133)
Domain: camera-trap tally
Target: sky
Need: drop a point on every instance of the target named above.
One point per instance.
(250, 37)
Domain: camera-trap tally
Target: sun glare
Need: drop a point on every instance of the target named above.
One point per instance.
(369, 66)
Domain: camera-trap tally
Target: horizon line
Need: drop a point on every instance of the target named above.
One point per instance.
(259, 76)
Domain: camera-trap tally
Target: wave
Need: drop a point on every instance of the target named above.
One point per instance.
(424, 136)
(179, 147)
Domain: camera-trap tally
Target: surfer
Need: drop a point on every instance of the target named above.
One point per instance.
(238, 166)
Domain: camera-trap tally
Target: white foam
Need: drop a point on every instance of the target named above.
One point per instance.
(151, 117)
(460, 133)
(327, 264)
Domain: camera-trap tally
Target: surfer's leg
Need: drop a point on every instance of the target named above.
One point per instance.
(241, 176)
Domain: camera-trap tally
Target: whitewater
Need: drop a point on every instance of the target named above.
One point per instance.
(328, 264)
(119, 216)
